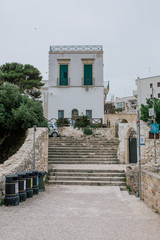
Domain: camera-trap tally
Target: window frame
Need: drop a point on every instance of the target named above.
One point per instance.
(88, 61)
(60, 63)
(89, 110)
(62, 111)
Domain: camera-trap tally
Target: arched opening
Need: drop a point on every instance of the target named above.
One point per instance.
(74, 114)
(117, 126)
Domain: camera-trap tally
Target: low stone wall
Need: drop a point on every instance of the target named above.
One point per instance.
(78, 133)
(132, 178)
(151, 189)
(23, 160)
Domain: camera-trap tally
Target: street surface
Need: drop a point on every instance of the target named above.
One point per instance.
(80, 213)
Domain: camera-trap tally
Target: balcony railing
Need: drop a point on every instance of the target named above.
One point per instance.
(76, 48)
(93, 82)
(63, 83)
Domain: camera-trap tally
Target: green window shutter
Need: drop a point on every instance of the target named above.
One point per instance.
(88, 74)
(63, 75)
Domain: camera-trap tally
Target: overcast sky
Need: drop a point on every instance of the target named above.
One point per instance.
(129, 31)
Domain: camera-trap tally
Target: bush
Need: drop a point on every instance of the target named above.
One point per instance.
(18, 112)
(62, 122)
(87, 131)
(82, 121)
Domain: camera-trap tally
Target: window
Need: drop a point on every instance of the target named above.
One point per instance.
(151, 96)
(60, 114)
(89, 113)
(158, 95)
(151, 85)
(88, 74)
(158, 84)
(63, 75)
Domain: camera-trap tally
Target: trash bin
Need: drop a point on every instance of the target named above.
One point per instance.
(35, 182)
(42, 180)
(22, 186)
(29, 184)
(11, 191)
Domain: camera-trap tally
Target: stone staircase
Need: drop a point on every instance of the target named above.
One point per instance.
(84, 162)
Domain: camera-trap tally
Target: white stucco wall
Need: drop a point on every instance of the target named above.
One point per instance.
(76, 95)
(75, 69)
(78, 98)
(144, 90)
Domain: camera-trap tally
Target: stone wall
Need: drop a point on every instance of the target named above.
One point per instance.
(23, 160)
(147, 150)
(151, 189)
(132, 178)
(78, 133)
(118, 117)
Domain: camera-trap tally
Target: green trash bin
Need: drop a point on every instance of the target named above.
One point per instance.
(42, 175)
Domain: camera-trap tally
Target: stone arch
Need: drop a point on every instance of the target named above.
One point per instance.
(74, 114)
(117, 126)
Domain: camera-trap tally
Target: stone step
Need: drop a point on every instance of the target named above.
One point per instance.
(82, 156)
(82, 148)
(67, 140)
(104, 151)
(83, 162)
(87, 174)
(89, 170)
(89, 183)
(78, 178)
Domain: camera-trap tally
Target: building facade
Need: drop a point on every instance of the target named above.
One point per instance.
(126, 104)
(146, 87)
(75, 85)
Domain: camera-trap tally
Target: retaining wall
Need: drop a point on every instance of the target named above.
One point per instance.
(23, 160)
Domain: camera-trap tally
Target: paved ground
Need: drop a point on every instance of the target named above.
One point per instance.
(80, 213)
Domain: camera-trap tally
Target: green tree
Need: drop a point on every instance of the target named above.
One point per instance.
(145, 110)
(17, 111)
(26, 77)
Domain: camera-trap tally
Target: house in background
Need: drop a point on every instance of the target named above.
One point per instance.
(126, 104)
(75, 85)
(144, 88)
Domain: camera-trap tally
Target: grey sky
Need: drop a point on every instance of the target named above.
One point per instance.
(129, 31)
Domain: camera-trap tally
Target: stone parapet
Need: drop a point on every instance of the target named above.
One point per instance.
(78, 133)
(151, 189)
(23, 160)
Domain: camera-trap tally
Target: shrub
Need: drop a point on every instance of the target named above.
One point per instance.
(87, 131)
(62, 122)
(82, 121)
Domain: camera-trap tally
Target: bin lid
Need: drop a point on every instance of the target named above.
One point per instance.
(42, 173)
(29, 174)
(35, 172)
(11, 178)
(21, 175)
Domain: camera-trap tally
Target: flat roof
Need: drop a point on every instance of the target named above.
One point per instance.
(76, 48)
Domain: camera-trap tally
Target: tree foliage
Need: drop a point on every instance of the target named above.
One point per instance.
(26, 77)
(145, 110)
(18, 111)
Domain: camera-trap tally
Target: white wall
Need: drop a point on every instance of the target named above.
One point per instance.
(76, 68)
(75, 95)
(144, 90)
(78, 98)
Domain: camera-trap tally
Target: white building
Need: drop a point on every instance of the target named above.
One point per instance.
(75, 85)
(126, 104)
(145, 86)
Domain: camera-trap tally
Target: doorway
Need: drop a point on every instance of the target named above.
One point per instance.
(74, 114)
(132, 148)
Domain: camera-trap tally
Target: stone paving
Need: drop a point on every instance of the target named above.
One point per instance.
(80, 213)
